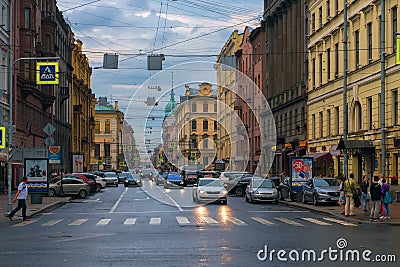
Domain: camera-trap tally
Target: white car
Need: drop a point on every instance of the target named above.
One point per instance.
(100, 182)
(210, 190)
(111, 178)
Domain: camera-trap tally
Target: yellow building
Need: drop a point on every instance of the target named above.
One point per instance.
(108, 148)
(325, 86)
(227, 80)
(83, 106)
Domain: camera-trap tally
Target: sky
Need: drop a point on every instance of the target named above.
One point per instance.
(183, 30)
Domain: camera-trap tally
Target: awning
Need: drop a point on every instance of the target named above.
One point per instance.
(356, 146)
(319, 155)
(296, 150)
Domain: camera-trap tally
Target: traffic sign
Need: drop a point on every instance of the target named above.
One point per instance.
(2, 137)
(47, 72)
(49, 129)
(49, 141)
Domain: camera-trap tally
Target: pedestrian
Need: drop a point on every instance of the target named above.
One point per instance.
(349, 189)
(386, 199)
(376, 195)
(342, 198)
(364, 190)
(21, 196)
(2, 188)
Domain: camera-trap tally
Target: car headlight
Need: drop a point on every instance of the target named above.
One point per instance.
(224, 192)
(256, 192)
(202, 192)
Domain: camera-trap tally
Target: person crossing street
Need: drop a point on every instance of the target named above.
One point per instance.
(21, 196)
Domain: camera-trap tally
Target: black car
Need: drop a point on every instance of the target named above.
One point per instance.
(133, 179)
(189, 177)
(238, 185)
(291, 191)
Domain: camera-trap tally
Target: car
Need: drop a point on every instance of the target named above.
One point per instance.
(160, 178)
(207, 174)
(189, 177)
(237, 184)
(173, 179)
(321, 190)
(100, 182)
(122, 176)
(111, 178)
(210, 190)
(293, 190)
(224, 176)
(133, 179)
(261, 190)
(70, 186)
(147, 173)
(90, 181)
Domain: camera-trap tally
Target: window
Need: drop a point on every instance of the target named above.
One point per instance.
(395, 107)
(369, 34)
(394, 27)
(3, 17)
(97, 150)
(205, 143)
(328, 9)
(285, 127)
(357, 118)
(27, 18)
(328, 64)
(321, 69)
(47, 44)
(295, 122)
(290, 123)
(336, 7)
(303, 117)
(369, 113)
(313, 126)
(321, 125)
(320, 17)
(107, 150)
(215, 125)
(205, 107)
(194, 125)
(357, 47)
(337, 115)
(205, 125)
(336, 60)
(328, 123)
(313, 72)
(215, 107)
(107, 127)
(194, 107)
(313, 22)
(97, 127)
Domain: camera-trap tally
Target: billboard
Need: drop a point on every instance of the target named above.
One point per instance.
(77, 163)
(37, 171)
(302, 167)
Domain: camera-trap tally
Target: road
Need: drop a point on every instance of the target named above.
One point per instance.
(128, 227)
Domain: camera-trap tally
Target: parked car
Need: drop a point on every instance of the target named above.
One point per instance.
(100, 182)
(133, 179)
(321, 190)
(291, 191)
(160, 178)
(71, 186)
(237, 184)
(174, 179)
(122, 176)
(99, 173)
(90, 181)
(111, 178)
(210, 190)
(224, 176)
(261, 190)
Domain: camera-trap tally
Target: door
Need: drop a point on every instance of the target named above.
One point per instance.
(66, 184)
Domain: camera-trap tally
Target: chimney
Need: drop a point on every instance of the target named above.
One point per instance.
(116, 105)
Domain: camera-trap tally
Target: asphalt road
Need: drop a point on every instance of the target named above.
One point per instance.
(129, 227)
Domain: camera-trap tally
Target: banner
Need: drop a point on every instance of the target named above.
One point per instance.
(302, 167)
(37, 171)
(77, 163)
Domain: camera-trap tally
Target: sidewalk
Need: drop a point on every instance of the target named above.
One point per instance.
(360, 216)
(48, 203)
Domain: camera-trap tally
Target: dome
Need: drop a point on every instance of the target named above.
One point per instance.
(171, 104)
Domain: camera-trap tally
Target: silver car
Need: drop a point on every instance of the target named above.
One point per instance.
(321, 190)
(111, 178)
(210, 190)
(261, 190)
(71, 186)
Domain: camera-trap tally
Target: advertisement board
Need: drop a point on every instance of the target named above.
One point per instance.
(54, 154)
(37, 171)
(302, 167)
(77, 163)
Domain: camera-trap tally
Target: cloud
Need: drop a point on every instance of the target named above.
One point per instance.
(125, 86)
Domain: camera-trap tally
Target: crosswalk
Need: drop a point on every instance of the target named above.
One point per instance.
(201, 220)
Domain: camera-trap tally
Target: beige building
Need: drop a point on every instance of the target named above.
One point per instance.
(325, 87)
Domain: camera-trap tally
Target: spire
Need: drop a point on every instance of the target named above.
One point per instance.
(171, 104)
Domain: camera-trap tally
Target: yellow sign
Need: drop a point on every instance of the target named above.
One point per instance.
(303, 143)
(398, 51)
(47, 72)
(2, 137)
(193, 155)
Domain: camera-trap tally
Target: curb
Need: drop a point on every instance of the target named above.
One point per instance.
(49, 207)
(336, 215)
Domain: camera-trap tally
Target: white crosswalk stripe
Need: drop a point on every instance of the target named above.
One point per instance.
(263, 221)
(78, 222)
(53, 222)
(130, 221)
(236, 221)
(24, 223)
(155, 221)
(340, 222)
(182, 220)
(208, 220)
(103, 222)
(312, 220)
(288, 221)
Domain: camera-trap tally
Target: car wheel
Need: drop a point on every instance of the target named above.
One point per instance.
(304, 199)
(82, 193)
(98, 187)
(51, 192)
(239, 192)
(116, 185)
(315, 200)
(225, 202)
(251, 199)
(126, 185)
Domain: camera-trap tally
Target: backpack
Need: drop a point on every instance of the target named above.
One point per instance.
(388, 198)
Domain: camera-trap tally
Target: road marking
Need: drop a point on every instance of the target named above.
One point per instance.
(118, 201)
(78, 222)
(312, 220)
(236, 221)
(209, 220)
(155, 221)
(52, 222)
(278, 211)
(23, 223)
(182, 220)
(340, 222)
(103, 222)
(130, 221)
(172, 200)
(285, 220)
(263, 221)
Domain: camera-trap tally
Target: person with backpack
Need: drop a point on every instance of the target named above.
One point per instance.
(376, 196)
(386, 199)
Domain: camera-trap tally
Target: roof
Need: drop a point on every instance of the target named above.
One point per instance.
(104, 108)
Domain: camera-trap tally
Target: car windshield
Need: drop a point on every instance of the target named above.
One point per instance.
(146, 171)
(124, 174)
(210, 182)
(321, 182)
(262, 183)
(110, 174)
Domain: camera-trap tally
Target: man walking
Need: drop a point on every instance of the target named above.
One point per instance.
(349, 189)
(376, 194)
(21, 196)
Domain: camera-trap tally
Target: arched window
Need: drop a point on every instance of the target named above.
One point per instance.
(357, 117)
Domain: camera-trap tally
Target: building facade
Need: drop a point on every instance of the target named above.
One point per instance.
(286, 76)
(325, 94)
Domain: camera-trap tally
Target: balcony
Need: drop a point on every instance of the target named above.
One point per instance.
(47, 101)
(28, 88)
